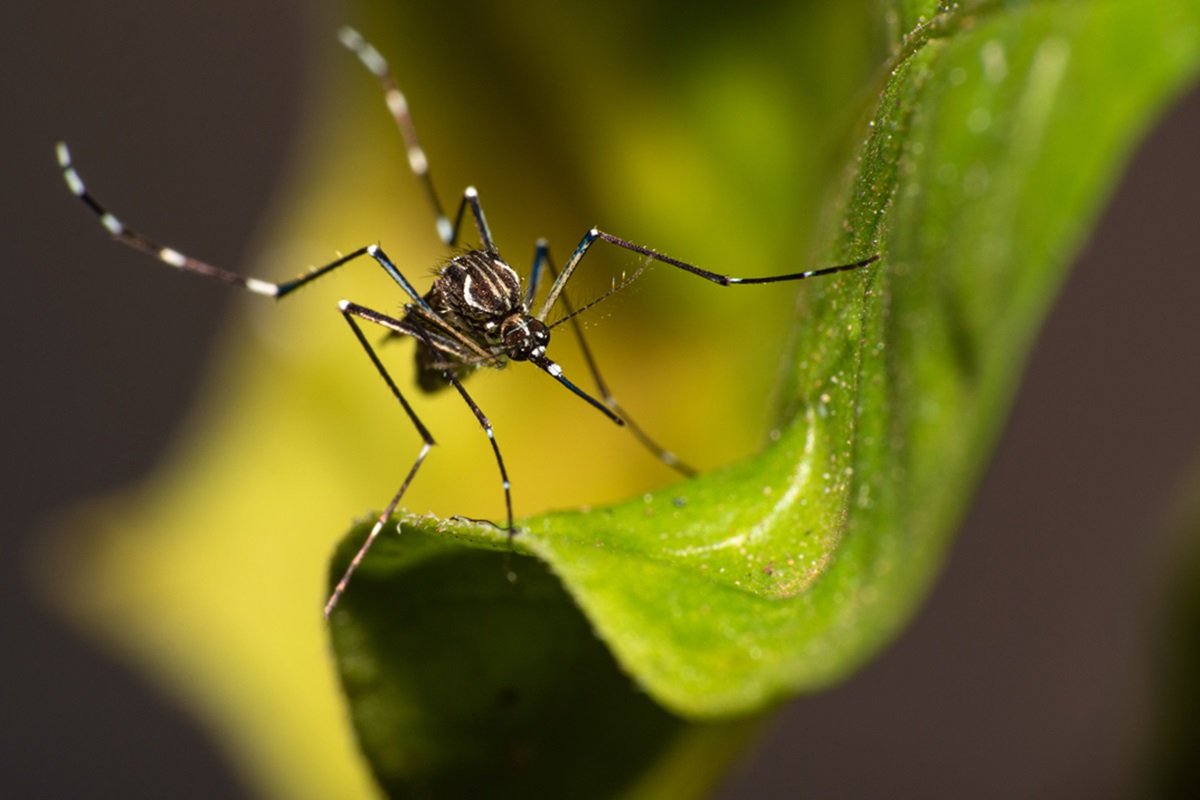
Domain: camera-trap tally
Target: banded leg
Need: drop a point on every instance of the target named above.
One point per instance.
(173, 258)
(595, 234)
(137, 241)
(418, 162)
(541, 258)
(350, 311)
(427, 442)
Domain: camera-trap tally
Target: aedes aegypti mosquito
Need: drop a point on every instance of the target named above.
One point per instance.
(476, 313)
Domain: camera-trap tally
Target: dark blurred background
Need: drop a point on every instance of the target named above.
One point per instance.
(1030, 671)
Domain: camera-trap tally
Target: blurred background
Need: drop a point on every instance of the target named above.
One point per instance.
(1030, 671)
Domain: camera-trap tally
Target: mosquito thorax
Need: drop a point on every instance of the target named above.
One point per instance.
(523, 337)
(479, 286)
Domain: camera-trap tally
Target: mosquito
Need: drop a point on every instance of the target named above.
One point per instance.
(477, 313)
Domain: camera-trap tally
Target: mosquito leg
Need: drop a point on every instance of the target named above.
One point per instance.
(416, 331)
(137, 241)
(407, 328)
(349, 311)
(487, 429)
(418, 162)
(397, 103)
(173, 258)
(542, 259)
(595, 234)
(470, 199)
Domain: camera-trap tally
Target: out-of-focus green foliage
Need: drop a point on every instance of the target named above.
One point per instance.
(970, 147)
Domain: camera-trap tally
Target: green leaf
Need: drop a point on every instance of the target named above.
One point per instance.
(993, 136)
(463, 684)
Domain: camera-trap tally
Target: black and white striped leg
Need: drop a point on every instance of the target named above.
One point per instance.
(427, 442)
(418, 162)
(470, 199)
(137, 241)
(542, 260)
(491, 435)
(595, 234)
(408, 329)
(185, 263)
(352, 310)
(397, 103)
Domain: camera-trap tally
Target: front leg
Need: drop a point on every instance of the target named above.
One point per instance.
(351, 312)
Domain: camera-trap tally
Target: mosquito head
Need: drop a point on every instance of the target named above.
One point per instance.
(524, 337)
